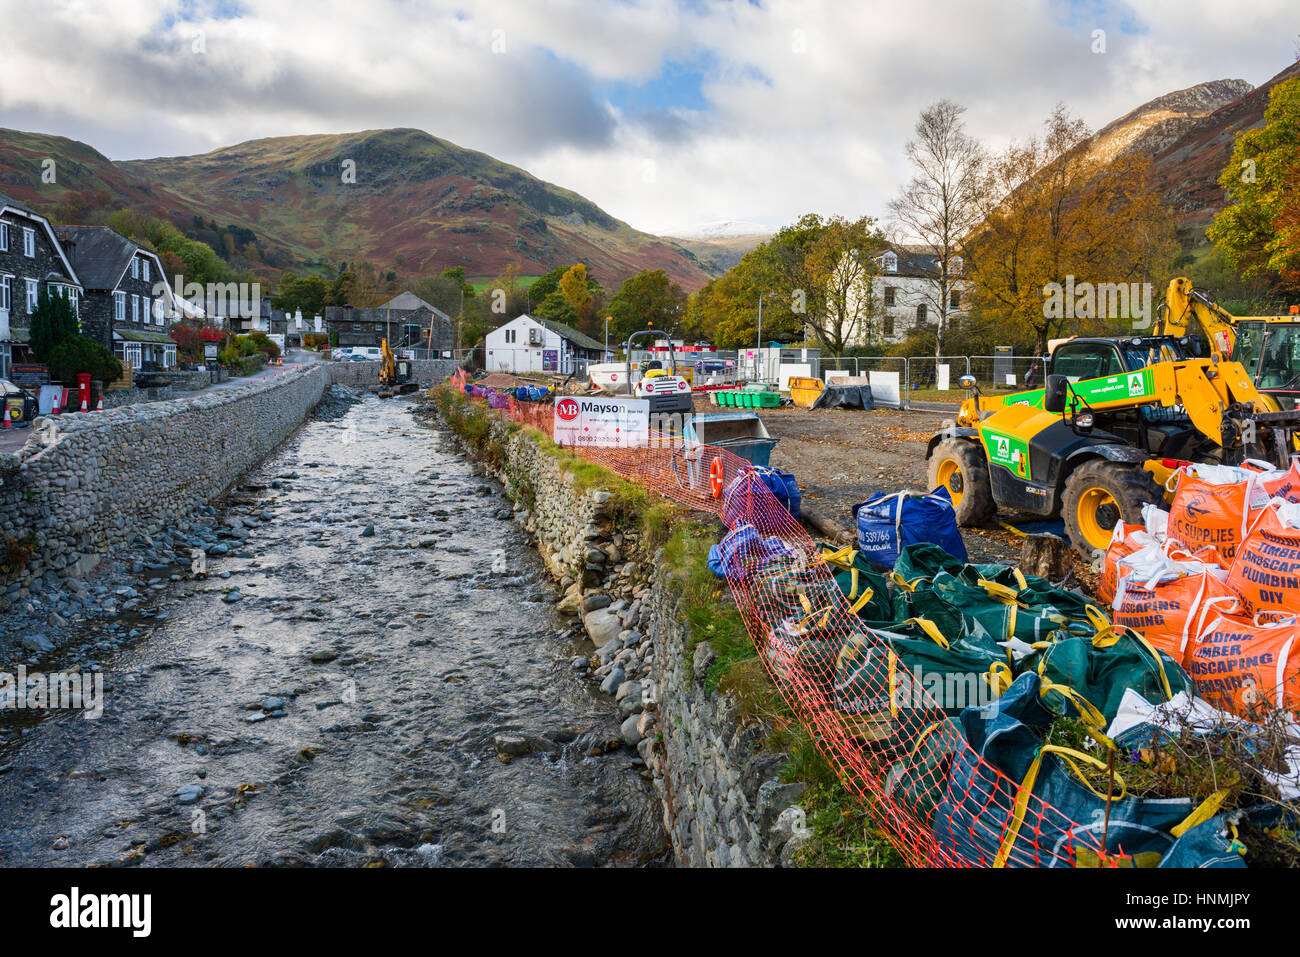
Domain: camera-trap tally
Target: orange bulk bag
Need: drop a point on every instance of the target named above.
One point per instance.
(1124, 541)
(1213, 506)
(1127, 539)
(1167, 600)
(1266, 571)
(1283, 484)
(1247, 665)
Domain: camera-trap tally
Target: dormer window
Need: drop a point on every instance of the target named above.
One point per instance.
(29, 242)
(145, 266)
(135, 268)
(955, 266)
(890, 262)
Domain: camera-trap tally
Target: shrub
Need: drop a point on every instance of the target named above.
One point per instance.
(52, 323)
(78, 354)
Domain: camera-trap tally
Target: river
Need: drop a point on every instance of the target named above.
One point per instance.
(343, 710)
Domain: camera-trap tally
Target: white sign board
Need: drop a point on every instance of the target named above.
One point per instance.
(941, 377)
(792, 369)
(886, 389)
(602, 421)
(1011, 378)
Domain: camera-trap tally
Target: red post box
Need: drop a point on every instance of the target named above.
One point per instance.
(83, 387)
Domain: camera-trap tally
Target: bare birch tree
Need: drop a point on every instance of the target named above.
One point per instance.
(940, 206)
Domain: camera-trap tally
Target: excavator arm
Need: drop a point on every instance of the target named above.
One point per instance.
(1183, 304)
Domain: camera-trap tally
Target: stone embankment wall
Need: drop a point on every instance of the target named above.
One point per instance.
(363, 375)
(105, 477)
(722, 799)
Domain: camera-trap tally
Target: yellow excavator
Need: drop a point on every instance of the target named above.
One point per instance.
(1267, 347)
(394, 374)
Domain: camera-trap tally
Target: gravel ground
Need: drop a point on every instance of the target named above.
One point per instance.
(841, 456)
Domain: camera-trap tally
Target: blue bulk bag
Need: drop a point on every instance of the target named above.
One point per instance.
(783, 486)
(889, 523)
(741, 543)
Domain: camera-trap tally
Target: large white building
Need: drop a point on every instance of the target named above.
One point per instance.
(903, 297)
(528, 344)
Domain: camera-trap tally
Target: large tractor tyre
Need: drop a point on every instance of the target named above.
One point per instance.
(1098, 494)
(958, 465)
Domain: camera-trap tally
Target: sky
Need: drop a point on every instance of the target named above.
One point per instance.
(667, 113)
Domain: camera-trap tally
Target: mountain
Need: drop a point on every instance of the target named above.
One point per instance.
(720, 245)
(1189, 136)
(416, 204)
(1188, 168)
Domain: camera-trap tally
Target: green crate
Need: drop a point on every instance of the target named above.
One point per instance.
(765, 400)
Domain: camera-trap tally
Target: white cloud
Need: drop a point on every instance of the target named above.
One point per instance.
(809, 101)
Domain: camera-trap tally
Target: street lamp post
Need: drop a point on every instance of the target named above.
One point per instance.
(758, 354)
(607, 319)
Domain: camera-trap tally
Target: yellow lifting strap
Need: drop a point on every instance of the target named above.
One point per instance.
(840, 557)
(920, 738)
(893, 684)
(1112, 634)
(1068, 756)
(931, 630)
(1204, 811)
(999, 676)
(1089, 713)
(1000, 592)
(903, 583)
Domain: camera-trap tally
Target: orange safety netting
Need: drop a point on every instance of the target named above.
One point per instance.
(895, 758)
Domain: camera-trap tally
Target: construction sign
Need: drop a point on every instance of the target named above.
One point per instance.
(602, 421)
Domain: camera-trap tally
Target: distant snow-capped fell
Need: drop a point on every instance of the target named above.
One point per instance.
(723, 229)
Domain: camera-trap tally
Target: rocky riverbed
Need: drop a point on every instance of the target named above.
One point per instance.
(370, 670)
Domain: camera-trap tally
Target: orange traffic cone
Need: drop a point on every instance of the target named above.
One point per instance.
(7, 423)
(100, 406)
(84, 407)
(58, 403)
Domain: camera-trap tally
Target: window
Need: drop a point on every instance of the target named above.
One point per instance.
(135, 308)
(160, 312)
(145, 266)
(954, 300)
(890, 261)
(29, 242)
(6, 293)
(33, 295)
(356, 327)
(891, 296)
(888, 325)
(4, 237)
(132, 354)
(119, 306)
(1087, 360)
(921, 313)
(955, 266)
(71, 295)
(135, 268)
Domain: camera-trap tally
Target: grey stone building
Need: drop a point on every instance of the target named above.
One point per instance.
(31, 259)
(405, 321)
(125, 305)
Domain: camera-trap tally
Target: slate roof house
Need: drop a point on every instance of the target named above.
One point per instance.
(530, 344)
(31, 258)
(127, 303)
(404, 321)
(903, 295)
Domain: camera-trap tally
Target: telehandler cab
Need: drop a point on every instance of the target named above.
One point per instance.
(1115, 419)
